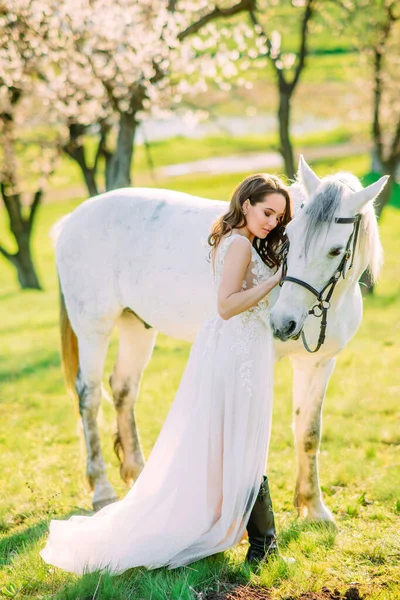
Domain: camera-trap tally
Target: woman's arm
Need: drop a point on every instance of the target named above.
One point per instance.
(232, 300)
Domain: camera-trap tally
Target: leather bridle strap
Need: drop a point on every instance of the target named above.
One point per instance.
(321, 308)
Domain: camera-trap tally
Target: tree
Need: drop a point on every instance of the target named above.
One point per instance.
(87, 65)
(128, 61)
(288, 68)
(20, 65)
(386, 104)
(378, 35)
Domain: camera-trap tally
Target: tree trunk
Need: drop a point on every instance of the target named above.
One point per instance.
(23, 262)
(376, 163)
(21, 228)
(20, 225)
(286, 148)
(118, 170)
(366, 285)
(89, 176)
(76, 151)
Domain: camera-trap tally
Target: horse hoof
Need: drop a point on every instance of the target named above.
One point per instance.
(130, 472)
(99, 504)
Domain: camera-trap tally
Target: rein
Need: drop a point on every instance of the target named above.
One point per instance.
(320, 309)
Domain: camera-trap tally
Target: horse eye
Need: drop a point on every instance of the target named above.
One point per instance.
(335, 251)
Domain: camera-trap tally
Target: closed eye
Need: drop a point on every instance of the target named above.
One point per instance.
(336, 251)
(279, 219)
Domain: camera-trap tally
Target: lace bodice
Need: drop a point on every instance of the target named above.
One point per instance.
(257, 272)
(242, 333)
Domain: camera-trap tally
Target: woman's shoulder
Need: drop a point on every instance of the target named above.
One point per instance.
(237, 245)
(233, 236)
(237, 242)
(243, 248)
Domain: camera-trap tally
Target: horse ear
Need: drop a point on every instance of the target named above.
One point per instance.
(359, 199)
(308, 177)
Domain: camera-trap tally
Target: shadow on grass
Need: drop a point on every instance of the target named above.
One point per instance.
(17, 543)
(216, 573)
(207, 576)
(17, 329)
(49, 360)
(13, 544)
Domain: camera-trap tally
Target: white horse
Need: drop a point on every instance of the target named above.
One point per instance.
(138, 259)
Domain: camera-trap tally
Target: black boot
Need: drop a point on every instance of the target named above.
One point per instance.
(261, 527)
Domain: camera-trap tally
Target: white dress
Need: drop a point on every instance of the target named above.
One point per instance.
(196, 491)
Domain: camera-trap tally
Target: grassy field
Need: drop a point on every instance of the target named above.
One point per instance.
(42, 475)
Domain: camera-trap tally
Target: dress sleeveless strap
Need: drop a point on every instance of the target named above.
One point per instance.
(221, 251)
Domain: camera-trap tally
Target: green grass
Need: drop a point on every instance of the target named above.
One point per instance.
(42, 473)
(179, 149)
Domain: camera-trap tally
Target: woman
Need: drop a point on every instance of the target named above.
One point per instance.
(200, 486)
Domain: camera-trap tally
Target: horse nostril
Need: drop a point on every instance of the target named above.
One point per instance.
(290, 328)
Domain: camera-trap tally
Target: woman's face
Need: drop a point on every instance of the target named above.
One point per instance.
(264, 216)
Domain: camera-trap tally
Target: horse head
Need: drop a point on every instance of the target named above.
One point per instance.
(333, 238)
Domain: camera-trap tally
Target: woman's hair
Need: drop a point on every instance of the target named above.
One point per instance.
(255, 188)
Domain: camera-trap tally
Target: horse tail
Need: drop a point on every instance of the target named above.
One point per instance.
(69, 349)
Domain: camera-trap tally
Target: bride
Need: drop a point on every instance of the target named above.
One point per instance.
(203, 483)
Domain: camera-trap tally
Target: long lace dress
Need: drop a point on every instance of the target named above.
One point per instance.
(196, 491)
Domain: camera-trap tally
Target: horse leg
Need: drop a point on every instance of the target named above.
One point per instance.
(136, 343)
(309, 388)
(92, 353)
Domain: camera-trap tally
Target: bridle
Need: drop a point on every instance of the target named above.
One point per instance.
(321, 308)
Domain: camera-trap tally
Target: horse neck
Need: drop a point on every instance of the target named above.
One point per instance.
(348, 283)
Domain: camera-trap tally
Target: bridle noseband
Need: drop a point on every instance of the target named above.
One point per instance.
(321, 308)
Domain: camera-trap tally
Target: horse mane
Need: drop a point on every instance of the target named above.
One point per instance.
(325, 206)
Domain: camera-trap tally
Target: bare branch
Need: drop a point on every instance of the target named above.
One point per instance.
(283, 83)
(308, 11)
(37, 198)
(376, 123)
(6, 254)
(106, 84)
(12, 203)
(279, 72)
(379, 49)
(101, 148)
(217, 13)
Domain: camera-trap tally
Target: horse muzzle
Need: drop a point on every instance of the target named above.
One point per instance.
(285, 329)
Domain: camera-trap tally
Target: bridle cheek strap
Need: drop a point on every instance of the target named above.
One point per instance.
(321, 308)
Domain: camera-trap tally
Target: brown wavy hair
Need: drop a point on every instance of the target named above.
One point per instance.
(255, 188)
